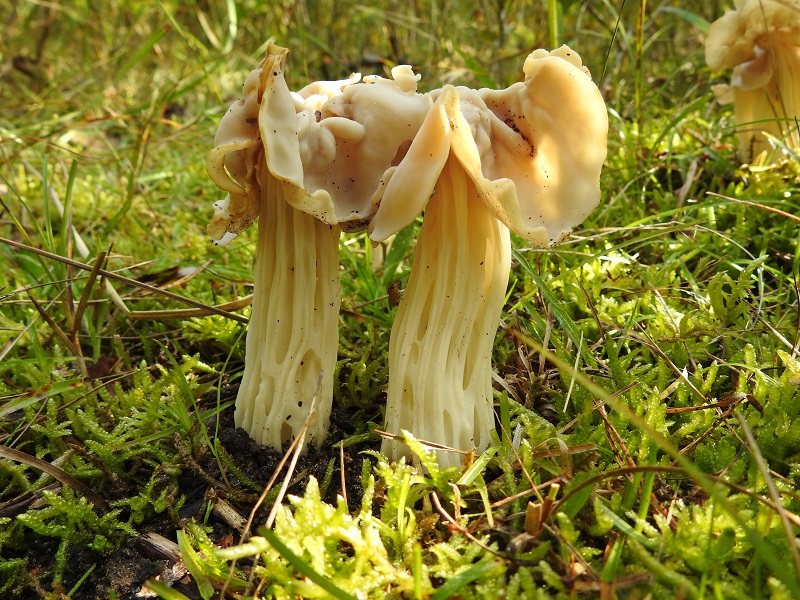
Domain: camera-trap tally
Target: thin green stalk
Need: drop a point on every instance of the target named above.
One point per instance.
(663, 573)
(475, 572)
(417, 570)
(639, 71)
(554, 23)
(647, 489)
(302, 567)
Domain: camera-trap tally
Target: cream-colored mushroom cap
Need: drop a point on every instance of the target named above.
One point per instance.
(536, 155)
(334, 154)
(533, 150)
(760, 42)
(232, 164)
(405, 189)
(332, 142)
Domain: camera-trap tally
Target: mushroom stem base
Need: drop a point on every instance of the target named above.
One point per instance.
(441, 343)
(292, 338)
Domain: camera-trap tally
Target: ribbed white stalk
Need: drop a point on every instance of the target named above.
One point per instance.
(293, 336)
(775, 107)
(786, 60)
(441, 343)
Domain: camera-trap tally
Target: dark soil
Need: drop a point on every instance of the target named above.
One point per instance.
(123, 572)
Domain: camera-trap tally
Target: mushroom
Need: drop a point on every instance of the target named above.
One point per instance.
(526, 158)
(306, 165)
(760, 41)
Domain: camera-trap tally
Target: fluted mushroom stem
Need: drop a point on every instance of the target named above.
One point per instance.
(292, 337)
(773, 108)
(440, 386)
(787, 76)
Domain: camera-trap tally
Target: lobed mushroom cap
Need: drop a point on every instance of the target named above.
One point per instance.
(541, 174)
(405, 188)
(334, 154)
(232, 164)
(760, 42)
(533, 150)
(331, 144)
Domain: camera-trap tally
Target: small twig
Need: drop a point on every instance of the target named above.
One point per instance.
(572, 450)
(20, 504)
(87, 292)
(645, 339)
(687, 184)
(61, 335)
(228, 514)
(592, 308)
(524, 493)
(614, 438)
(181, 313)
(433, 445)
(723, 418)
(731, 399)
(288, 478)
(538, 513)
(777, 334)
(556, 533)
(771, 209)
(155, 544)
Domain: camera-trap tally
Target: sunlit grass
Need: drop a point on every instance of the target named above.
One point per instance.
(648, 366)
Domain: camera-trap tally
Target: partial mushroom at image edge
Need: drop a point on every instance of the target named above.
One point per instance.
(760, 42)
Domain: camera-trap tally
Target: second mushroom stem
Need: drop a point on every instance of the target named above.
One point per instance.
(293, 335)
(441, 345)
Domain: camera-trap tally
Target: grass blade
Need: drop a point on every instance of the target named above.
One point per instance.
(55, 472)
(164, 591)
(301, 567)
(475, 572)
